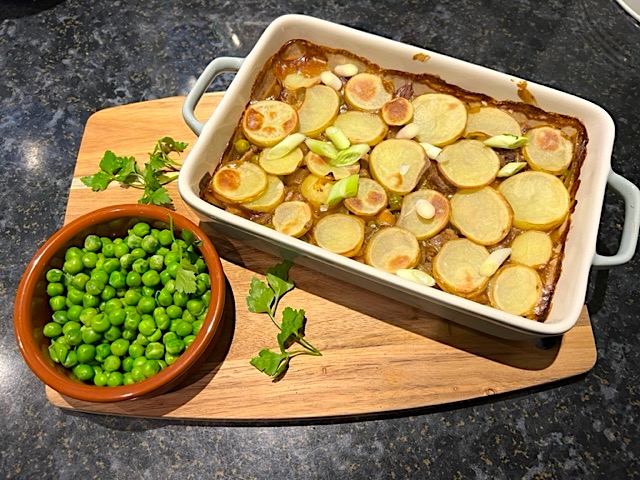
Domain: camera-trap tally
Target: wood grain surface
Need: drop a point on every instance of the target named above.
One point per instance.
(379, 355)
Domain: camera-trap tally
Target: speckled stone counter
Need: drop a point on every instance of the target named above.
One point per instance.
(61, 61)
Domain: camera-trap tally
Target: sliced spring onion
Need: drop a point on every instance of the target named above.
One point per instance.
(324, 149)
(346, 70)
(337, 137)
(506, 140)
(417, 276)
(432, 150)
(493, 261)
(408, 131)
(286, 146)
(425, 209)
(511, 168)
(330, 80)
(350, 155)
(345, 188)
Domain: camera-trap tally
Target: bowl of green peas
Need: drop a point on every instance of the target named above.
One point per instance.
(121, 303)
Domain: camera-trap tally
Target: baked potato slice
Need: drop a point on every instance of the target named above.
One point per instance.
(370, 199)
(539, 200)
(340, 233)
(456, 267)
(239, 182)
(515, 289)
(548, 150)
(281, 166)
(362, 127)
(366, 92)
(469, 164)
(319, 109)
(397, 112)
(419, 224)
(293, 218)
(532, 248)
(489, 122)
(391, 249)
(398, 164)
(316, 189)
(441, 118)
(268, 122)
(320, 167)
(270, 198)
(482, 215)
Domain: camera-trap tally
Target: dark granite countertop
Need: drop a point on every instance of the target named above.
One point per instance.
(61, 61)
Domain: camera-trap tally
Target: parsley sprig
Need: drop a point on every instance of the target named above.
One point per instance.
(160, 170)
(264, 298)
(186, 272)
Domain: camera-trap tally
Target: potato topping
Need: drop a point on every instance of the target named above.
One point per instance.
(407, 173)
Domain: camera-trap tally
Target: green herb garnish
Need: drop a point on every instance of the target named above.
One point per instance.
(160, 170)
(264, 298)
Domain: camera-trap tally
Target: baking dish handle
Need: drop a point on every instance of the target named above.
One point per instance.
(629, 239)
(216, 67)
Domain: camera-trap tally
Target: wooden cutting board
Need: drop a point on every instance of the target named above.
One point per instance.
(379, 355)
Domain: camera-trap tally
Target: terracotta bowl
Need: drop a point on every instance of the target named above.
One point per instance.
(32, 310)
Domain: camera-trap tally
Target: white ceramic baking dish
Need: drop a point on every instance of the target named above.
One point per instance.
(595, 175)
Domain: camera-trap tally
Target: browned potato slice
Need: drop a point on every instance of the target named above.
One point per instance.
(398, 164)
(295, 81)
(482, 215)
(489, 122)
(398, 111)
(283, 165)
(456, 267)
(319, 109)
(316, 189)
(532, 248)
(515, 289)
(239, 182)
(441, 118)
(319, 166)
(366, 91)
(340, 233)
(362, 127)
(469, 164)
(369, 201)
(539, 200)
(417, 224)
(548, 150)
(392, 249)
(293, 218)
(270, 198)
(268, 122)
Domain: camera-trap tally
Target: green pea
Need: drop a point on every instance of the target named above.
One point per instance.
(54, 275)
(165, 277)
(108, 293)
(141, 229)
(163, 321)
(119, 347)
(117, 279)
(195, 306)
(73, 313)
(110, 265)
(205, 278)
(87, 314)
(109, 250)
(80, 280)
(127, 260)
(94, 287)
(142, 339)
(90, 300)
(146, 305)
(156, 262)
(99, 275)
(60, 316)
(138, 253)
(147, 326)
(58, 302)
(133, 279)
(151, 278)
(136, 350)
(84, 372)
(75, 296)
(187, 316)
(170, 286)
(73, 252)
(197, 326)
(127, 364)
(100, 323)
(174, 312)
(137, 374)
(183, 328)
(174, 346)
(70, 325)
(111, 363)
(180, 298)
(89, 335)
(55, 289)
(73, 337)
(150, 244)
(150, 368)
(113, 304)
(148, 291)
(52, 330)
(117, 316)
(113, 333)
(154, 350)
(171, 358)
(155, 336)
(129, 335)
(120, 250)
(164, 298)
(92, 243)
(102, 352)
(188, 340)
(132, 297)
(127, 379)
(132, 321)
(100, 379)
(89, 259)
(165, 237)
(115, 379)
(172, 269)
(86, 353)
(70, 360)
(139, 361)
